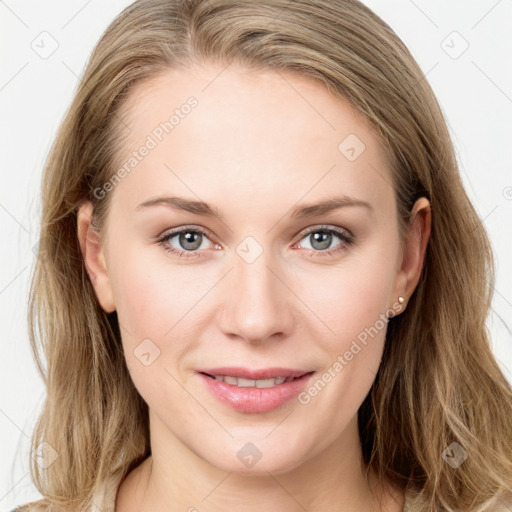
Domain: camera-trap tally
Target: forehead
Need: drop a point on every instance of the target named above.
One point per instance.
(257, 132)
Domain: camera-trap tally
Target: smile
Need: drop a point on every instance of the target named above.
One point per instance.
(254, 391)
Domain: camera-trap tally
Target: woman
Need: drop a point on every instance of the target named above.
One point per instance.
(263, 284)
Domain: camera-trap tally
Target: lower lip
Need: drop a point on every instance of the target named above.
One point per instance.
(256, 400)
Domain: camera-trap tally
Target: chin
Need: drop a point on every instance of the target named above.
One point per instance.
(260, 457)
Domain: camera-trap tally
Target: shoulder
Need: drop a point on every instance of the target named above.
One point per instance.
(103, 499)
(41, 505)
(495, 504)
(31, 507)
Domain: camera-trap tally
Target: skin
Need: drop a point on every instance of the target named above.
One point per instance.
(257, 144)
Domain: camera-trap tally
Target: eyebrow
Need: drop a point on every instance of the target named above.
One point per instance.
(297, 212)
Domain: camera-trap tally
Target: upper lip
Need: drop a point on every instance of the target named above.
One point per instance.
(263, 373)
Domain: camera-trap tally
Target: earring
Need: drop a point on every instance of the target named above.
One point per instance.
(401, 300)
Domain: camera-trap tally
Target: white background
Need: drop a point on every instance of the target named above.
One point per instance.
(475, 92)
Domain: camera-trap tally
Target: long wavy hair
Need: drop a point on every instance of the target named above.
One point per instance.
(438, 382)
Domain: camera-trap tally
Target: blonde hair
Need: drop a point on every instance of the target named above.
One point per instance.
(438, 383)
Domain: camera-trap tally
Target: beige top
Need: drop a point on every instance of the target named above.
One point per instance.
(104, 501)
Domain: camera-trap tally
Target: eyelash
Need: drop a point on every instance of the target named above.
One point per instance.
(346, 238)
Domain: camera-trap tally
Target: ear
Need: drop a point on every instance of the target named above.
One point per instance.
(414, 249)
(94, 258)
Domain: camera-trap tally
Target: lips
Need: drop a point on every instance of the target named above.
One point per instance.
(254, 391)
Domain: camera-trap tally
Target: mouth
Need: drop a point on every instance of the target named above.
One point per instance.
(247, 378)
(254, 391)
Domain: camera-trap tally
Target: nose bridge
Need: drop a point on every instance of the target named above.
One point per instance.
(257, 306)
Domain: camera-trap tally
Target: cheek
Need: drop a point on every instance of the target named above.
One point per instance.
(151, 303)
(162, 302)
(352, 297)
(151, 295)
(353, 306)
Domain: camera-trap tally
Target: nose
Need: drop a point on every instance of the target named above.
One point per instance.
(258, 304)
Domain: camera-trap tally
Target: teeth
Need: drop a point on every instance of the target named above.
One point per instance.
(268, 383)
(245, 383)
(230, 380)
(250, 383)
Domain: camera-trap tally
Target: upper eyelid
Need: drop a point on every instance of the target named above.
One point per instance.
(177, 231)
(335, 229)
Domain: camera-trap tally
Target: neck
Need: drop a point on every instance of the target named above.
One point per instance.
(175, 478)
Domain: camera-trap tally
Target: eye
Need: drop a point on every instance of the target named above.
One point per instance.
(321, 238)
(190, 239)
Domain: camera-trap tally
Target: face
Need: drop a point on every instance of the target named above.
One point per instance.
(258, 279)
